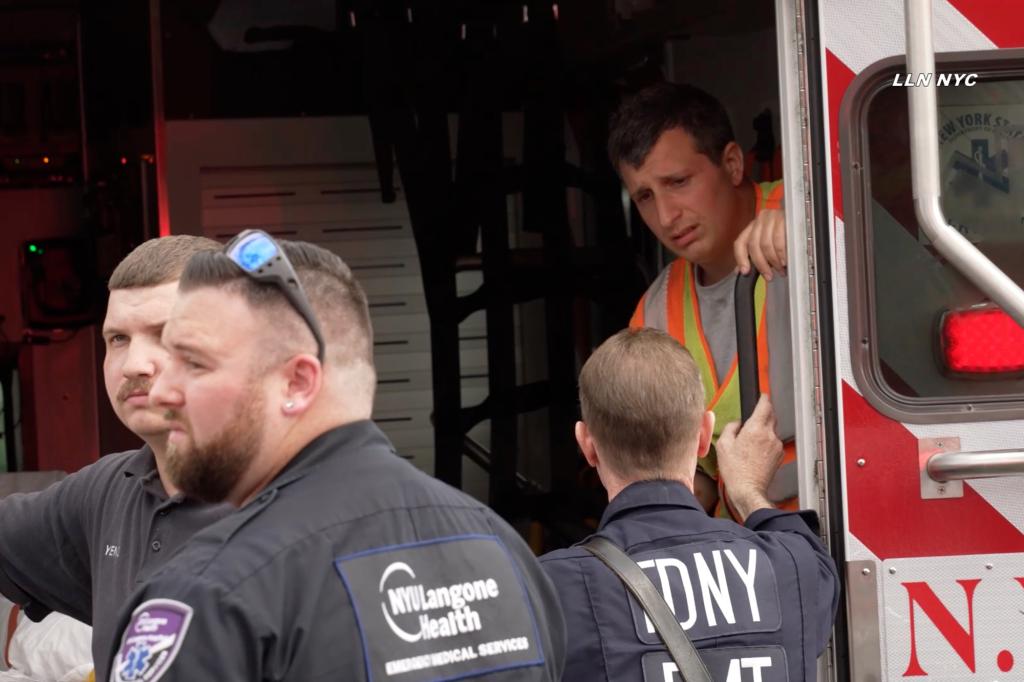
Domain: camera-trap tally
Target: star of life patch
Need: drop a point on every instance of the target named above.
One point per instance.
(450, 608)
(151, 641)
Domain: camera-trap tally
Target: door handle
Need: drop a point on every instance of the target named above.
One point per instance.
(957, 466)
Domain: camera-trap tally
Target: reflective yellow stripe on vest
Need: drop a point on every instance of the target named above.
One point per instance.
(721, 395)
(768, 195)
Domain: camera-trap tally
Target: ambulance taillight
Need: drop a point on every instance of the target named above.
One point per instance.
(981, 341)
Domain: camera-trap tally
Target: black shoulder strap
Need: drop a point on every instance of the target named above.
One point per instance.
(690, 665)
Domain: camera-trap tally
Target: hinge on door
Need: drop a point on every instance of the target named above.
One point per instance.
(862, 595)
(819, 475)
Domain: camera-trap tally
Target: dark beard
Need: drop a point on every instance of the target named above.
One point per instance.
(210, 471)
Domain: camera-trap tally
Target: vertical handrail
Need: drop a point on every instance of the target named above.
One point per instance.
(924, 167)
(746, 344)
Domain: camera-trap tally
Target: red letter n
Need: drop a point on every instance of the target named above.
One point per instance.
(962, 640)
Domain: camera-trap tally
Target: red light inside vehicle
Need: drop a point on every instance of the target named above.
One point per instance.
(982, 341)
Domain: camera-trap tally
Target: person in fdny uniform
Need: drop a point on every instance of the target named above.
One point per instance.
(344, 562)
(757, 600)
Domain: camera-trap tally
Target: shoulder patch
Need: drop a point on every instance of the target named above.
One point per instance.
(444, 609)
(151, 641)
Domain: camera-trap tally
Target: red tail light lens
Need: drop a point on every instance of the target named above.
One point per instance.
(982, 341)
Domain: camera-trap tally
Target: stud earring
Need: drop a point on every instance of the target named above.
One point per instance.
(289, 405)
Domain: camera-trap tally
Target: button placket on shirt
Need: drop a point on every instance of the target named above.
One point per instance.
(155, 545)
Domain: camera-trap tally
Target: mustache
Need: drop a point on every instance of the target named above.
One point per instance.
(134, 385)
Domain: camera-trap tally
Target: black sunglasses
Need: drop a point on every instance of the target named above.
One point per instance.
(263, 259)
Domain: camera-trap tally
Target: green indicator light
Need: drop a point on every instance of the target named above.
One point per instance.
(32, 248)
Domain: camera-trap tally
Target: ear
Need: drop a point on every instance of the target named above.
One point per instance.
(732, 163)
(303, 376)
(707, 430)
(586, 443)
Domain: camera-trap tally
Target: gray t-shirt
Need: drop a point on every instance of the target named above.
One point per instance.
(718, 318)
(83, 545)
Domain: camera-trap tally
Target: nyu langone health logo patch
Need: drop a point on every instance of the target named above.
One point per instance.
(443, 609)
(942, 80)
(151, 641)
(451, 602)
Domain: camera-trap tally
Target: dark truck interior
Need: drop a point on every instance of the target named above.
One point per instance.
(487, 118)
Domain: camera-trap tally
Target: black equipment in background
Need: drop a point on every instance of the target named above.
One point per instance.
(8, 363)
(57, 283)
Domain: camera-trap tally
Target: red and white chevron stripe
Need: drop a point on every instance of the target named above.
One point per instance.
(856, 34)
(948, 562)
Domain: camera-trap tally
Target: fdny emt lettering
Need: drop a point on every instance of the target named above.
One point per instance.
(736, 668)
(717, 590)
(729, 664)
(714, 588)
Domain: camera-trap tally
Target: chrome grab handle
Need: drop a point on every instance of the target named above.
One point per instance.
(924, 168)
(955, 466)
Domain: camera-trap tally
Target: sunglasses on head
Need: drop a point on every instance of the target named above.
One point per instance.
(262, 258)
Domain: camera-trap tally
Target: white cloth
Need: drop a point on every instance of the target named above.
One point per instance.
(56, 649)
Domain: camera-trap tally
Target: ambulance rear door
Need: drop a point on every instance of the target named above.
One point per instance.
(903, 361)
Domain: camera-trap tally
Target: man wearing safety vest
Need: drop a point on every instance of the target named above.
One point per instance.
(674, 148)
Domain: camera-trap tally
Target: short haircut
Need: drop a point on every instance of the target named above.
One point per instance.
(158, 261)
(643, 116)
(642, 400)
(337, 299)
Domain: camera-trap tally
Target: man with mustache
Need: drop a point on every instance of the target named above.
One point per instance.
(344, 562)
(674, 149)
(81, 546)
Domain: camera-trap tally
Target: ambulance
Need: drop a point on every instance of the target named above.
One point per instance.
(903, 148)
(904, 200)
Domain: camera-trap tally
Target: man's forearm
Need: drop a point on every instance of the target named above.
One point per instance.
(745, 502)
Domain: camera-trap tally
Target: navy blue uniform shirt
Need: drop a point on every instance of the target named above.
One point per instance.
(350, 565)
(757, 600)
(83, 545)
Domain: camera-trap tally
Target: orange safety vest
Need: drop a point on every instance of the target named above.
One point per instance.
(670, 304)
